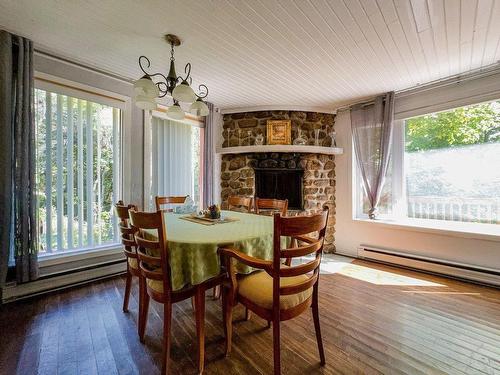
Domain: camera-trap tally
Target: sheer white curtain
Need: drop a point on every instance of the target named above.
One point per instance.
(172, 165)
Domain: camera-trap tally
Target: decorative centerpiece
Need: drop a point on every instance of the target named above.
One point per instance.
(212, 212)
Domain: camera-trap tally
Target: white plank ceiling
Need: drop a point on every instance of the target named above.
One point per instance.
(272, 52)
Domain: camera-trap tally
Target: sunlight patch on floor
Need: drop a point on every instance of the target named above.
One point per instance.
(443, 292)
(379, 277)
(330, 263)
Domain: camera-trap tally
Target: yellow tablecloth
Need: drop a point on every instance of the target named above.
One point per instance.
(193, 247)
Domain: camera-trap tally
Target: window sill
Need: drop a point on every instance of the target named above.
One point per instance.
(488, 232)
(75, 259)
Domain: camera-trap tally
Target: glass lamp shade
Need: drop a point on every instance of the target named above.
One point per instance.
(184, 93)
(175, 112)
(146, 87)
(199, 108)
(145, 102)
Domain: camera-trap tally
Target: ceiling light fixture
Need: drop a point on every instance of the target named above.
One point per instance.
(147, 91)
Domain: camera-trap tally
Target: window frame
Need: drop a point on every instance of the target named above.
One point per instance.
(399, 216)
(54, 84)
(160, 112)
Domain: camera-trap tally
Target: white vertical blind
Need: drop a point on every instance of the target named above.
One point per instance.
(48, 172)
(78, 172)
(171, 158)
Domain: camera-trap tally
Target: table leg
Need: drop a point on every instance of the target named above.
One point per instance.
(200, 325)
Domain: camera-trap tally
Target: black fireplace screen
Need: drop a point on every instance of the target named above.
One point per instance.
(280, 184)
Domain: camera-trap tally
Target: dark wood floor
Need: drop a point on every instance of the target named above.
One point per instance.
(375, 319)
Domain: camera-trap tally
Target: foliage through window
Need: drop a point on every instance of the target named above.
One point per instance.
(452, 164)
(77, 172)
(447, 169)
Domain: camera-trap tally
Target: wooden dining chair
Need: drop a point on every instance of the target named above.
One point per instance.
(278, 292)
(237, 203)
(161, 201)
(129, 248)
(271, 206)
(155, 268)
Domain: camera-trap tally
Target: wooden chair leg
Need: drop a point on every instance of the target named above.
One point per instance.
(268, 324)
(276, 346)
(143, 308)
(193, 304)
(128, 284)
(315, 312)
(216, 292)
(200, 326)
(167, 321)
(248, 314)
(227, 315)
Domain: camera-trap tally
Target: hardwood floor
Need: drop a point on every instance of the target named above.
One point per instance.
(374, 319)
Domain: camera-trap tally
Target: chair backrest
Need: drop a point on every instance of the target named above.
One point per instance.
(161, 201)
(152, 248)
(271, 206)
(127, 232)
(301, 228)
(235, 201)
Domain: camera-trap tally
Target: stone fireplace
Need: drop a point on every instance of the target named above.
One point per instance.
(279, 171)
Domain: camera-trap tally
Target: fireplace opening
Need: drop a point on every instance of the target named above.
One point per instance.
(280, 183)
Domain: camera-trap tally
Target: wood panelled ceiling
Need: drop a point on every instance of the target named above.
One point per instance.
(272, 52)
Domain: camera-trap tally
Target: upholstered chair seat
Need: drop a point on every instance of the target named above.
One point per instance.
(132, 262)
(156, 285)
(258, 288)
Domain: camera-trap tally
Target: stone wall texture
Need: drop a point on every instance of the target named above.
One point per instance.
(237, 174)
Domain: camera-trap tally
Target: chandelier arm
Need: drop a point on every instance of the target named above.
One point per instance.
(141, 58)
(148, 62)
(163, 92)
(203, 91)
(187, 70)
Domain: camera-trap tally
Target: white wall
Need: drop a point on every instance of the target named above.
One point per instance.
(349, 233)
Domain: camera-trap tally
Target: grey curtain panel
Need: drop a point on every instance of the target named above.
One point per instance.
(372, 126)
(208, 157)
(17, 158)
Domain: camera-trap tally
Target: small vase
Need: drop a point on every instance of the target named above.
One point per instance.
(259, 140)
(316, 137)
(333, 136)
(300, 140)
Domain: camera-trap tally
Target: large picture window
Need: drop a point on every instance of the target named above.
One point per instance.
(444, 168)
(77, 172)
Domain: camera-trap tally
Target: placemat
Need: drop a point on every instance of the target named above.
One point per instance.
(203, 221)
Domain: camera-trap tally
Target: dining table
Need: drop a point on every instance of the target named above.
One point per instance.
(192, 246)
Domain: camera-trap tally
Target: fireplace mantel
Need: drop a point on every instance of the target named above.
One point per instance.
(281, 148)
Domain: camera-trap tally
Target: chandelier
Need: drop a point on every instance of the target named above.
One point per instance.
(147, 91)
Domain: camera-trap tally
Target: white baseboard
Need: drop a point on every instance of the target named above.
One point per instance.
(16, 292)
(484, 276)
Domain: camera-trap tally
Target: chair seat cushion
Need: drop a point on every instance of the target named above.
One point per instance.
(132, 262)
(258, 288)
(156, 285)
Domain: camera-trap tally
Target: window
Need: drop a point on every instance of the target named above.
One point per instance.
(176, 158)
(77, 171)
(445, 167)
